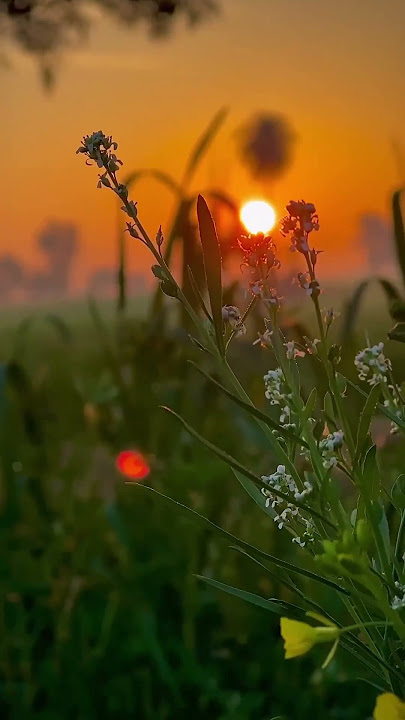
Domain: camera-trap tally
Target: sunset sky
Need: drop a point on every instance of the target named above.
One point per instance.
(335, 69)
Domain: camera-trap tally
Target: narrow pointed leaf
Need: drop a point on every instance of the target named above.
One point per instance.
(254, 551)
(203, 144)
(235, 464)
(365, 420)
(244, 595)
(399, 230)
(197, 294)
(384, 410)
(212, 267)
(252, 410)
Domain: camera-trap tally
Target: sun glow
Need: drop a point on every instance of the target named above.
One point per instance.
(258, 216)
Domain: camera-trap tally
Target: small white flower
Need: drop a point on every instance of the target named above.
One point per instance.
(292, 352)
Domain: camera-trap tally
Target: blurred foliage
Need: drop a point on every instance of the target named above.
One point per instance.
(43, 28)
(394, 296)
(101, 614)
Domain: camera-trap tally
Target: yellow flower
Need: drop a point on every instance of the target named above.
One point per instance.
(300, 637)
(389, 707)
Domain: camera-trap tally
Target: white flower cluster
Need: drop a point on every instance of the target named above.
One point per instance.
(307, 536)
(399, 600)
(328, 447)
(372, 365)
(282, 481)
(277, 392)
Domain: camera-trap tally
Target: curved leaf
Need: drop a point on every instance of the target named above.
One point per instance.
(353, 304)
(203, 144)
(159, 175)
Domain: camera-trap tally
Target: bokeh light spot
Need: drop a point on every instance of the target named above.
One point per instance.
(132, 464)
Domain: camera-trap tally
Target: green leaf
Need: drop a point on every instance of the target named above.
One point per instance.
(352, 307)
(249, 597)
(252, 410)
(199, 345)
(236, 465)
(398, 492)
(254, 551)
(212, 267)
(398, 332)
(328, 407)
(385, 411)
(197, 294)
(397, 310)
(365, 420)
(310, 405)
(169, 288)
(370, 475)
(203, 144)
(399, 230)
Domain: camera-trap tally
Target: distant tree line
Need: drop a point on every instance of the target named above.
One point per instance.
(58, 243)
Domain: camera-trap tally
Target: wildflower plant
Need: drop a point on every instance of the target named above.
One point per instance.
(356, 555)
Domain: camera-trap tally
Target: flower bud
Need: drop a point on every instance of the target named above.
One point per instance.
(363, 535)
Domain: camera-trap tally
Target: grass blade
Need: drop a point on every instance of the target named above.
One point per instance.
(244, 595)
(385, 411)
(212, 267)
(203, 144)
(365, 420)
(399, 230)
(162, 177)
(252, 410)
(254, 551)
(236, 465)
(352, 306)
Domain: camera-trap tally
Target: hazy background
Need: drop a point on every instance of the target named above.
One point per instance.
(335, 71)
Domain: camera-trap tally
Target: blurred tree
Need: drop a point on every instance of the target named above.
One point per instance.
(59, 242)
(12, 277)
(376, 238)
(44, 27)
(265, 144)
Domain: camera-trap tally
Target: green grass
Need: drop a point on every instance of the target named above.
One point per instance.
(100, 612)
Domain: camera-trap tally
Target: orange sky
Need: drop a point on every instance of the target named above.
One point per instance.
(334, 69)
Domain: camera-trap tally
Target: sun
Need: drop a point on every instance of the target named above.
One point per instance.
(258, 216)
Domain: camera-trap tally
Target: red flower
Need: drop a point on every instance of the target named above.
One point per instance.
(132, 464)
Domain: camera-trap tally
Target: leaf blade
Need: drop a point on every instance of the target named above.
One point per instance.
(249, 597)
(212, 267)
